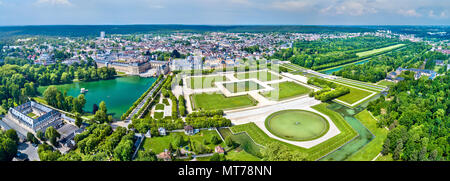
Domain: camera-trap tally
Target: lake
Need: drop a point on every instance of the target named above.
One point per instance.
(119, 93)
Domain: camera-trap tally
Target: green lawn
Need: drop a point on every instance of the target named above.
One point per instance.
(243, 86)
(354, 95)
(235, 155)
(32, 115)
(240, 156)
(386, 83)
(260, 75)
(213, 101)
(204, 82)
(370, 52)
(244, 141)
(359, 84)
(374, 147)
(314, 153)
(297, 125)
(159, 143)
(159, 107)
(285, 90)
(158, 115)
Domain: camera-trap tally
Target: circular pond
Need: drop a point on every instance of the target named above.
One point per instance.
(297, 125)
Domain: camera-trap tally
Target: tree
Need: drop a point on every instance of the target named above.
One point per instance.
(78, 120)
(146, 156)
(103, 107)
(30, 137)
(215, 140)
(50, 95)
(8, 147)
(398, 150)
(51, 134)
(40, 135)
(386, 146)
(12, 134)
(94, 108)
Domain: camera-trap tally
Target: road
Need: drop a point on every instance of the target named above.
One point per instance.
(127, 121)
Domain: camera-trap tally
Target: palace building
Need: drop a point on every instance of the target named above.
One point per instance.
(32, 117)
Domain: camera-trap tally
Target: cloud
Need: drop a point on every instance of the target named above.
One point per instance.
(241, 2)
(54, 2)
(409, 12)
(292, 5)
(352, 8)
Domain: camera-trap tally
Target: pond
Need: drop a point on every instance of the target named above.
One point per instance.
(119, 93)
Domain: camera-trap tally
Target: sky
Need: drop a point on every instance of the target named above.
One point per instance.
(225, 12)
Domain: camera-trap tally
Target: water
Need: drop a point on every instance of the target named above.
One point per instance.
(119, 94)
(365, 136)
(330, 71)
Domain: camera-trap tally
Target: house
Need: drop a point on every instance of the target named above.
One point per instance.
(166, 155)
(439, 62)
(188, 130)
(148, 134)
(219, 149)
(162, 131)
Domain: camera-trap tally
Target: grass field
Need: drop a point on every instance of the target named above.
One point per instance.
(370, 52)
(314, 153)
(236, 155)
(386, 83)
(243, 86)
(159, 107)
(359, 84)
(213, 101)
(285, 90)
(260, 75)
(244, 141)
(374, 147)
(158, 115)
(204, 82)
(158, 144)
(354, 95)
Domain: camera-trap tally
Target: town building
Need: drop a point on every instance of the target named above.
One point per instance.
(32, 117)
(188, 130)
(162, 131)
(219, 149)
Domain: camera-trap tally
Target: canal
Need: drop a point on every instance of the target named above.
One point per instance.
(364, 135)
(119, 93)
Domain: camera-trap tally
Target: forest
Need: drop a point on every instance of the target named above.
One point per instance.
(19, 80)
(328, 53)
(417, 114)
(378, 67)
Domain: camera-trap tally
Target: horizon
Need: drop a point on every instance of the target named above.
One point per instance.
(224, 25)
